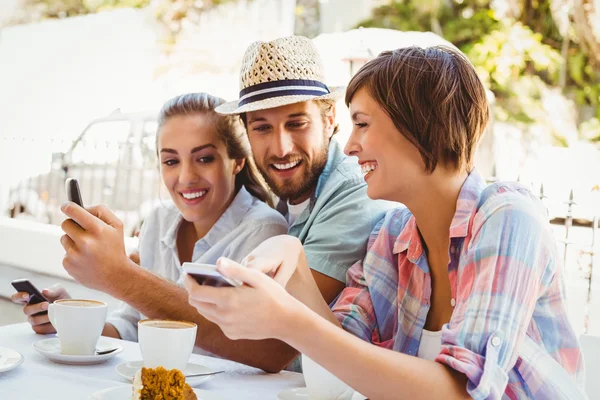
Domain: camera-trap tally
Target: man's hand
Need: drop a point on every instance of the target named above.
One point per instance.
(95, 249)
(40, 323)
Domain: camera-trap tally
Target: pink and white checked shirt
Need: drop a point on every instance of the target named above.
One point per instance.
(509, 332)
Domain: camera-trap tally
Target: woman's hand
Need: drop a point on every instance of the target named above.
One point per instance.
(278, 257)
(40, 323)
(259, 309)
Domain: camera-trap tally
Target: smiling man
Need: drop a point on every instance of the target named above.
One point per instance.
(289, 114)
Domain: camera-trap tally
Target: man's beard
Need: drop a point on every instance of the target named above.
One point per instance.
(296, 187)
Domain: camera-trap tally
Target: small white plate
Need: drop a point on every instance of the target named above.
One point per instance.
(128, 370)
(125, 392)
(10, 359)
(302, 394)
(50, 348)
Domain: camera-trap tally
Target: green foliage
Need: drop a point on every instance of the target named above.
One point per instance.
(585, 81)
(173, 14)
(514, 63)
(590, 130)
(34, 10)
(518, 58)
(460, 21)
(511, 52)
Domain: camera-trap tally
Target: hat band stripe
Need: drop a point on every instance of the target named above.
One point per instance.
(288, 87)
(270, 95)
(282, 83)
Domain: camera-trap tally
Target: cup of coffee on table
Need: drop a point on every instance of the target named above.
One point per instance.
(166, 343)
(322, 384)
(79, 324)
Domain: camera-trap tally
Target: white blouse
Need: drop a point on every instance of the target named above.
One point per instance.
(245, 224)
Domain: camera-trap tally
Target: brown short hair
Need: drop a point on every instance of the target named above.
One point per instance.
(433, 96)
(229, 130)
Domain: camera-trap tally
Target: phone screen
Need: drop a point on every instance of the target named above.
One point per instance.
(207, 274)
(212, 280)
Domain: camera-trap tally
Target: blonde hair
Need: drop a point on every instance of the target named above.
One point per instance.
(230, 131)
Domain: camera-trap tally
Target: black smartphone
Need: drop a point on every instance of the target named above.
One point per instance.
(35, 296)
(73, 192)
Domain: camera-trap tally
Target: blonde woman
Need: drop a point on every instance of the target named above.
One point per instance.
(219, 208)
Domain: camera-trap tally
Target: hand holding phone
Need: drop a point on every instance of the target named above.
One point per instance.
(207, 274)
(35, 296)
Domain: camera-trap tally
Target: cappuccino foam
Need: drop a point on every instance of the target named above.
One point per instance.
(168, 324)
(80, 303)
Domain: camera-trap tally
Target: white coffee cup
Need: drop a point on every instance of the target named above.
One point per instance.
(166, 343)
(322, 384)
(79, 324)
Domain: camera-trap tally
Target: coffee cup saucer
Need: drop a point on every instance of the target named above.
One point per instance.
(50, 348)
(128, 370)
(10, 359)
(302, 394)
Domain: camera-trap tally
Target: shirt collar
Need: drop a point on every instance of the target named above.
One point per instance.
(227, 222)
(410, 238)
(335, 156)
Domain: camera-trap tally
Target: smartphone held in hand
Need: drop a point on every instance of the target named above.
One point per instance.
(35, 296)
(208, 275)
(73, 192)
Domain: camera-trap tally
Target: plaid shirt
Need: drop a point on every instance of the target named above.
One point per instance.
(509, 332)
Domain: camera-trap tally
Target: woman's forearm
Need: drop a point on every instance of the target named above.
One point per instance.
(375, 372)
(304, 288)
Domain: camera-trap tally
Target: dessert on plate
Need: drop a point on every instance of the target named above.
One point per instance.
(161, 384)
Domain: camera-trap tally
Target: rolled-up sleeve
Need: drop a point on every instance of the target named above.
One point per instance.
(508, 263)
(354, 306)
(125, 319)
(338, 237)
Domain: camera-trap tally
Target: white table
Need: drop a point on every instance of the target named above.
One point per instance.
(40, 379)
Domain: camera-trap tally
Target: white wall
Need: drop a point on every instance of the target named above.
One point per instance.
(341, 15)
(36, 247)
(57, 75)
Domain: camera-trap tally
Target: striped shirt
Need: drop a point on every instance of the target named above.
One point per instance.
(509, 332)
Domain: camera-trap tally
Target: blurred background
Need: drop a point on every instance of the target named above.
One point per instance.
(81, 82)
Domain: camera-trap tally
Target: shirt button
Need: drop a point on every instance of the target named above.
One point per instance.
(453, 302)
(453, 249)
(496, 341)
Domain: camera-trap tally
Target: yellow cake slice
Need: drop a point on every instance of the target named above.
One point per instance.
(161, 384)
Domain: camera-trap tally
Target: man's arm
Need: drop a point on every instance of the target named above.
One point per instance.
(88, 261)
(161, 299)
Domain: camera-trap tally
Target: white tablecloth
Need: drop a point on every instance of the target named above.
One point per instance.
(40, 379)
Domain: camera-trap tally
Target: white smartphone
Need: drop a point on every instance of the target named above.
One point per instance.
(207, 274)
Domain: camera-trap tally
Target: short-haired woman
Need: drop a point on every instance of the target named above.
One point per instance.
(460, 294)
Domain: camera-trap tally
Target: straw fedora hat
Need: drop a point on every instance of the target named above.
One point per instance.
(281, 72)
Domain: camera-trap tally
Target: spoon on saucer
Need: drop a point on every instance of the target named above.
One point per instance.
(204, 374)
(105, 351)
